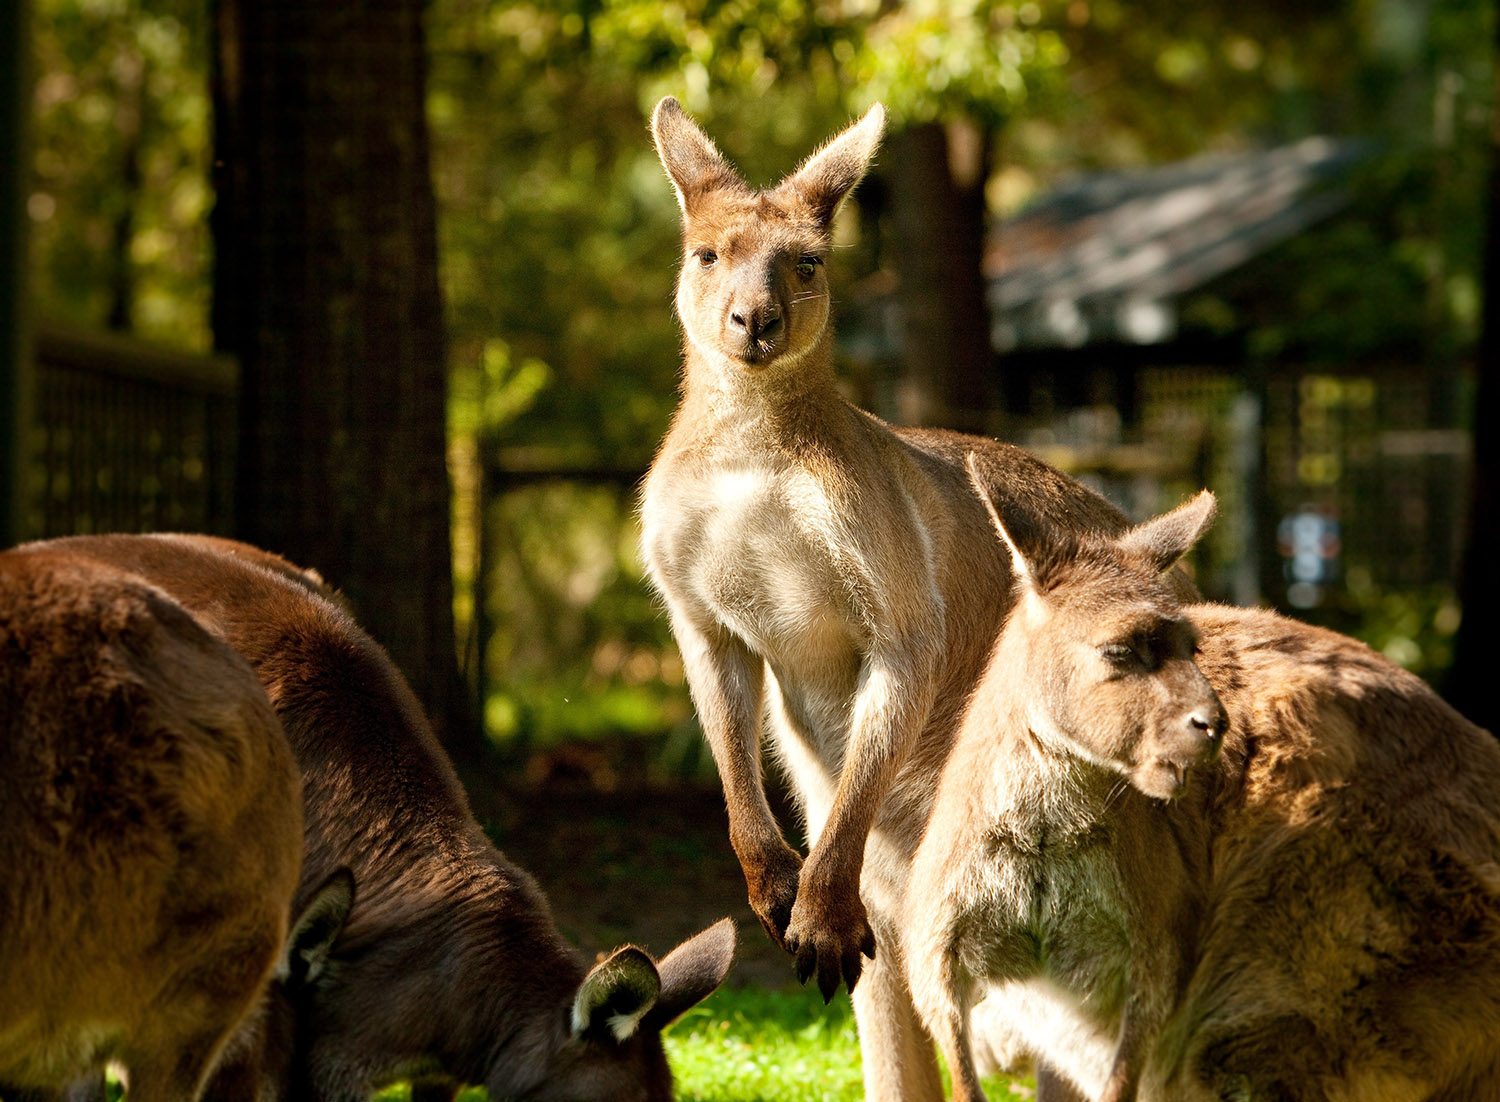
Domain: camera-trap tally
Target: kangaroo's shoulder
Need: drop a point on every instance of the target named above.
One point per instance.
(1020, 484)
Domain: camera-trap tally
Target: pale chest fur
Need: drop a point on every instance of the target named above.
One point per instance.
(1054, 908)
(1068, 889)
(762, 550)
(1054, 942)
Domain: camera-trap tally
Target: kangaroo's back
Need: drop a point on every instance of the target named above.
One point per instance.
(1356, 849)
(150, 827)
(370, 762)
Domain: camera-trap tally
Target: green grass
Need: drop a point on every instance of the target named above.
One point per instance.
(754, 1045)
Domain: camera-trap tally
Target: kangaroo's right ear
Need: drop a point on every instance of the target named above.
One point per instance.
(691, 972)
(1163, 540)
(693, 163)
(1018, 560)
(315, 928)
(826, 178)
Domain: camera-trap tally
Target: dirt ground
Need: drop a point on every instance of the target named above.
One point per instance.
(648, 866)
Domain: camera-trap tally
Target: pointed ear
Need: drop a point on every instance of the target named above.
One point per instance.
(693, 163)
(616, 995)
(691, 972)
(827, 177)
(1025, 572)
(1163, 540)
(315, 928)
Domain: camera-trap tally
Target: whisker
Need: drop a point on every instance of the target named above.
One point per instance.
(1116, 792)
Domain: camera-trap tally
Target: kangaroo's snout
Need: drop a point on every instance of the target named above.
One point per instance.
(1192, 740)
(759, 322)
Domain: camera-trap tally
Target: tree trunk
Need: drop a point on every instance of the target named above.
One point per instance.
(1468, 687)
(16, 379)
(937, 174)
(326, 288)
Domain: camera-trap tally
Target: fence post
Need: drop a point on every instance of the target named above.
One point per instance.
(15, 353)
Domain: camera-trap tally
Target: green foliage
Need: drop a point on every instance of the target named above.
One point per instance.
(579, 648)
(120, 192)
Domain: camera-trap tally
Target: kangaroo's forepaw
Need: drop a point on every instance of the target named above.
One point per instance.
(830, 935)
(773, 892)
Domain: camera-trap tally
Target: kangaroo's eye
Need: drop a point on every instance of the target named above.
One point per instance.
(807, 265)
(707, 257)
(1120, 654)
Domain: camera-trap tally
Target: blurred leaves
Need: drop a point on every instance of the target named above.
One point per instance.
(120, 193)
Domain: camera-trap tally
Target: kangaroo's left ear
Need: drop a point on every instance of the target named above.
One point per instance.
(693, 163)
(314, 929)
(826, 178)
(1163, 540)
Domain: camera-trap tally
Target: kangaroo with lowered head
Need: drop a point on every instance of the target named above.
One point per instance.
(824, 569)
(150, 832)
(1199, 853)
(449, 967)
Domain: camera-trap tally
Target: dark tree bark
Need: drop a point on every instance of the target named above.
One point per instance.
(1469, 688)
(326, 288)
(16, 383)
(937, 174)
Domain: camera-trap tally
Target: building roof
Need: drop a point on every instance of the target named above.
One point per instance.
(1106, 256)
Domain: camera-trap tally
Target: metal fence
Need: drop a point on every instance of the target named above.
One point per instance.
(130, 437)
(1327, 481)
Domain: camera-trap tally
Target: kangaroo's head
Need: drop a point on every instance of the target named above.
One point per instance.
(1101, 651)
(607, 1046)
(753, 292)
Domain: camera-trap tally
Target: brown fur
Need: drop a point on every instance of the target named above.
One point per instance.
(820, 566)
(1317, 915)
(449, 964)
(150, 832)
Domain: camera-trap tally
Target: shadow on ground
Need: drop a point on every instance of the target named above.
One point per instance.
(648, 866)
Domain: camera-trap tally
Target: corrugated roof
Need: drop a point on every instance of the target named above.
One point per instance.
(1104, 257)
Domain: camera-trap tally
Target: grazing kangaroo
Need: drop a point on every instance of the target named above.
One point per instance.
(1202, 853)
(150, 833)
(449, 965)
(823, 568)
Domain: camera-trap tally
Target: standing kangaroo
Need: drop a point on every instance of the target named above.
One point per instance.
(823, 568)
(150, 836)
(449, 966)
(1203, 853)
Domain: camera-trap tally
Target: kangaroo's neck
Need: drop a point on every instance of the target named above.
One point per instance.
(1050, 798)
(792, 400)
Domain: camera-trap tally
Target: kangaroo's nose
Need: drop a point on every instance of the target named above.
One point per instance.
(1208, 724)
(757, 323)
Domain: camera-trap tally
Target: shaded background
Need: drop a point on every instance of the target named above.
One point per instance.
(386, 286)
